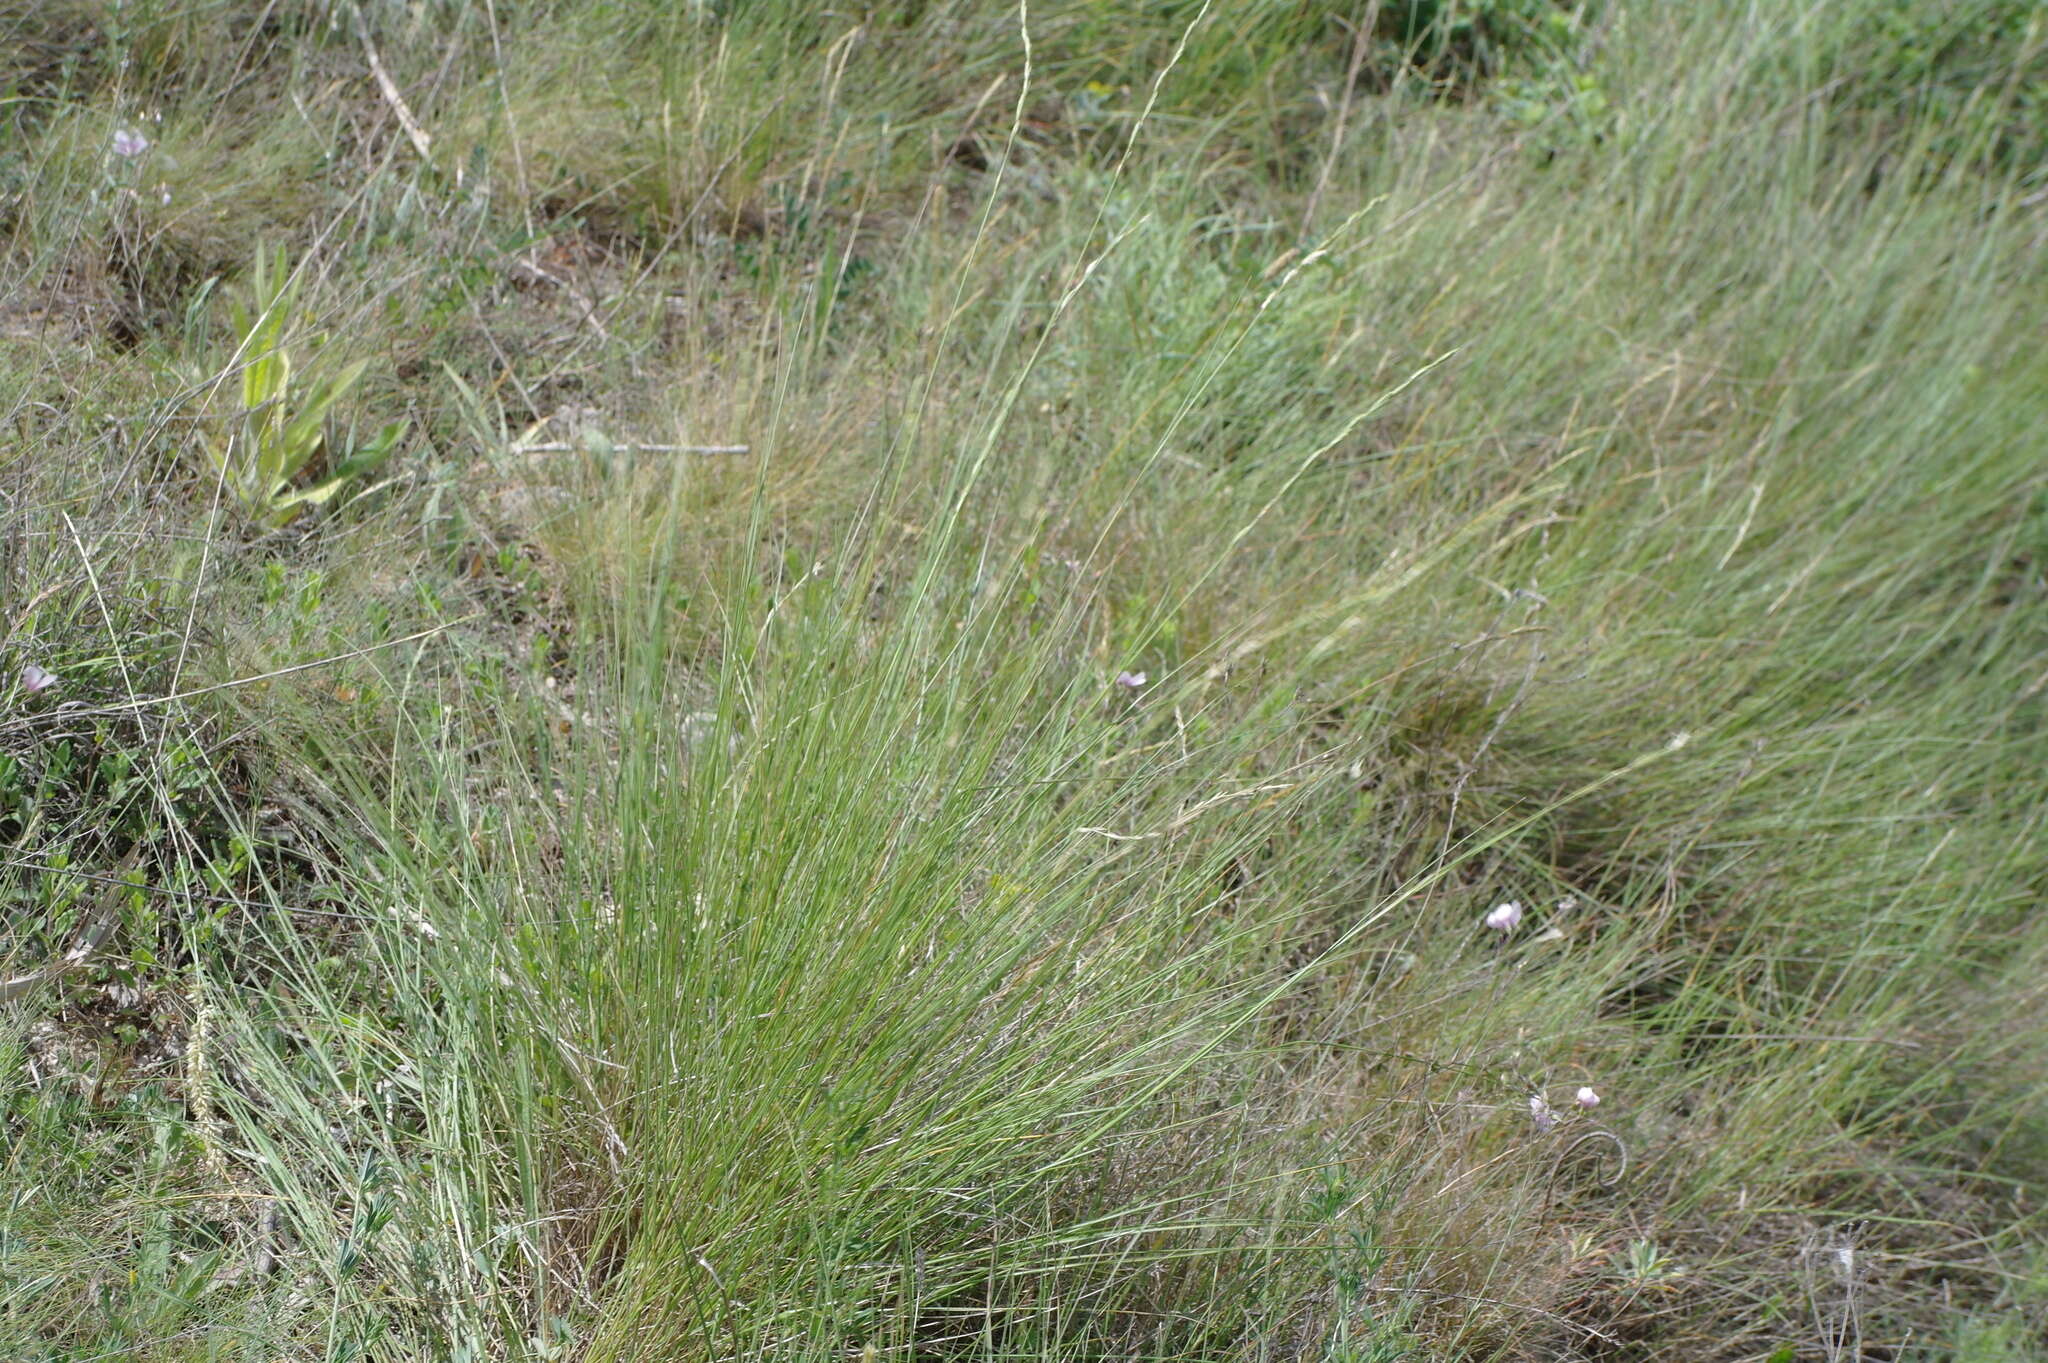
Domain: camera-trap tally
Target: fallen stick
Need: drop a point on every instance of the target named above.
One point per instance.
(569, 447)
(421, 143)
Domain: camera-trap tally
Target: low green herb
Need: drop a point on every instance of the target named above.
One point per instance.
(283, 433)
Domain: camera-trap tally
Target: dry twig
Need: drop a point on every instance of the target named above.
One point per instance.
(387, 87)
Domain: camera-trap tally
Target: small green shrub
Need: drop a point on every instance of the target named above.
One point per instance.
(1462, 41)
(1974, 75)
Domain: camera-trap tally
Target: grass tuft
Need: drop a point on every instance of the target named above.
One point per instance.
(964, 620)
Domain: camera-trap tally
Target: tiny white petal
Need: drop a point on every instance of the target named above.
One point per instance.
(34, 679)
(130, 144)
(419, 922)
(1505, 917)
(1540, 1113)
(1131, 681)
(1588, 1098)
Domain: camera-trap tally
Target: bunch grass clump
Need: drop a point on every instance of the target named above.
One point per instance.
(1224, 682)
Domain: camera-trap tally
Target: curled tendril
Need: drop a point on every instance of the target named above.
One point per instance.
(1599, 1133)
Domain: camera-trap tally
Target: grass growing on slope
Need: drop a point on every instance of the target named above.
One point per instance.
(997, 868)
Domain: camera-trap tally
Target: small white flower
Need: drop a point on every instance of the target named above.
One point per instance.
(419, 921)
(1587, 1098)
(1540, 1113)
(34, 679)
(1131, 681)
(1678, 740)
(130, 145)
(1505, 917)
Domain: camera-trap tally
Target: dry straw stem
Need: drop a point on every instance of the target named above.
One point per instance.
(388, 88)
(578, 447)
(150, 702)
